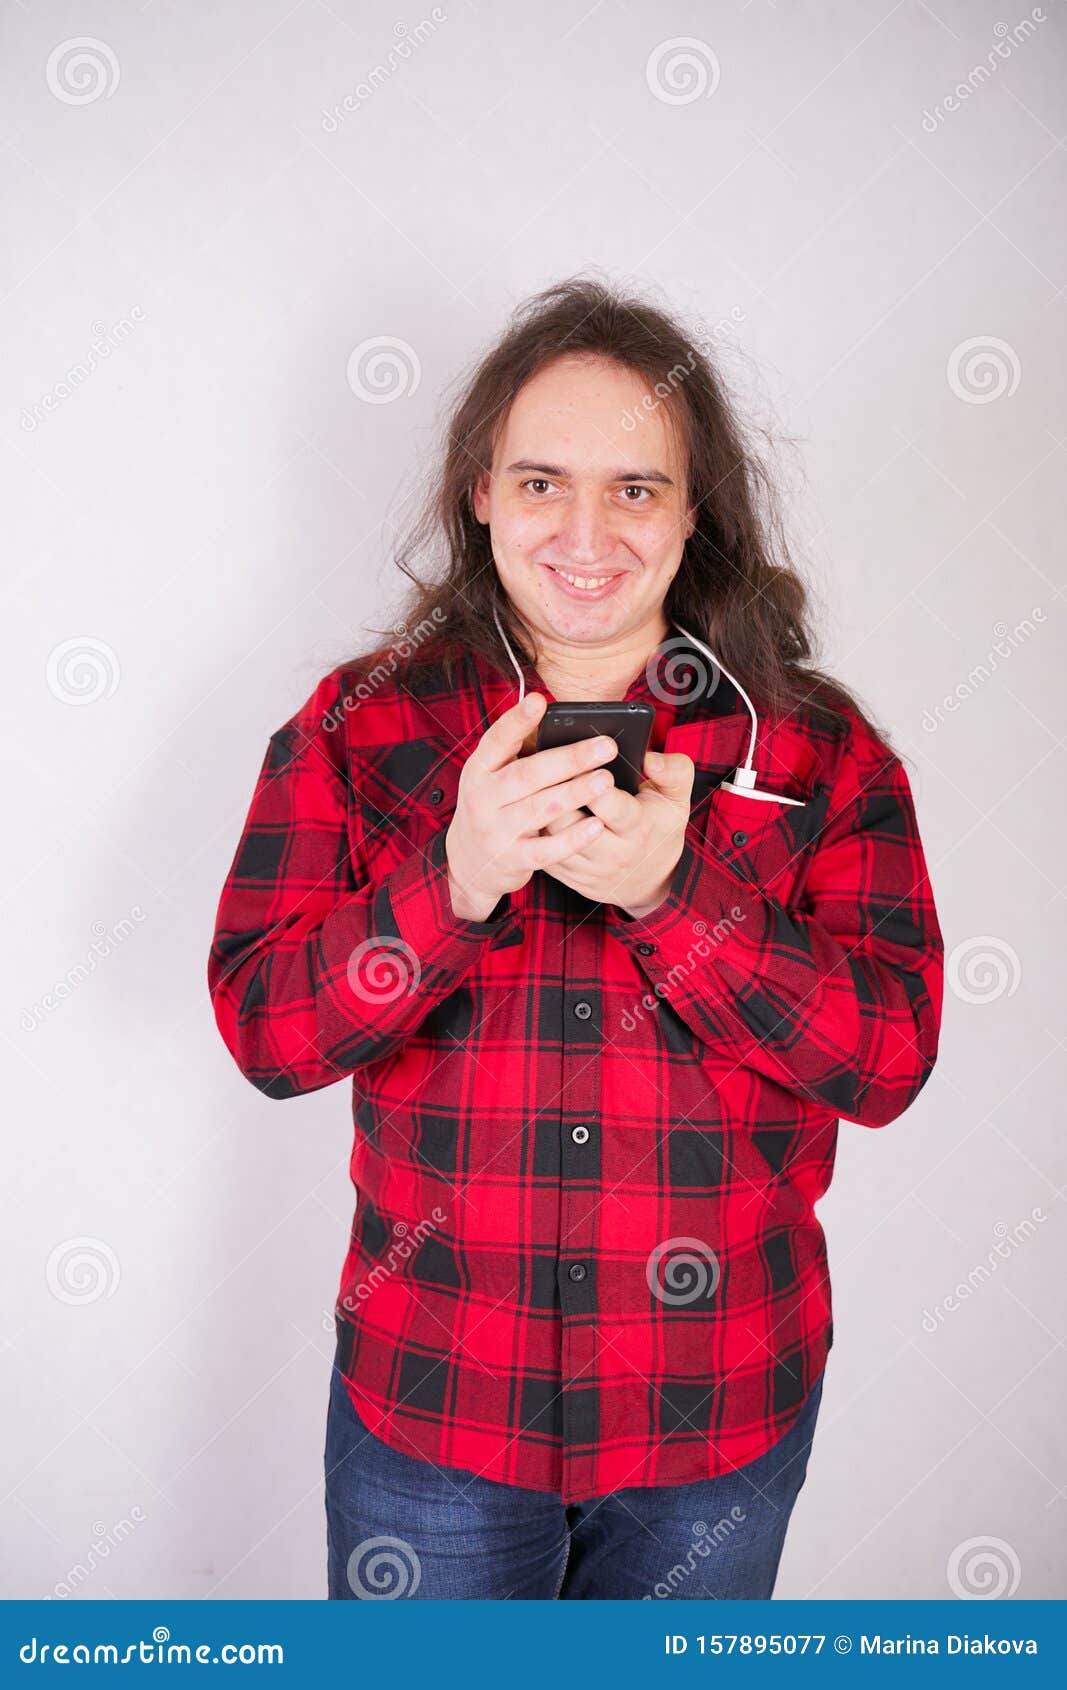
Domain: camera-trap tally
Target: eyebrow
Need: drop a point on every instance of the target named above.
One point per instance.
(525, 466)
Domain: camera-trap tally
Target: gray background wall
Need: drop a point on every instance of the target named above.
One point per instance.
(198, 510)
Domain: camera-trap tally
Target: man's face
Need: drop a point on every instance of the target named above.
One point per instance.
(587, 480)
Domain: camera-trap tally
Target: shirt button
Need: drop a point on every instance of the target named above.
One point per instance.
(580, 1135)
(646, 950)
(577, 1270)
(740, 838)
(583, 1010)
(437, 794)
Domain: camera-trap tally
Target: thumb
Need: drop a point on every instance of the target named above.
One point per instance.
(672, 772)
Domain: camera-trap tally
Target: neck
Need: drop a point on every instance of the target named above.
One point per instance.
(577, 674)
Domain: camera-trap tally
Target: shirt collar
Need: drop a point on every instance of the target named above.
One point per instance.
(677, 680)
(698, 710)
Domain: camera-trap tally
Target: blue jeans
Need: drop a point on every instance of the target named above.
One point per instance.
(398, 1526)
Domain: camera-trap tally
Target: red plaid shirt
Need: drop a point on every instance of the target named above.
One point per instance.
(587, 1148)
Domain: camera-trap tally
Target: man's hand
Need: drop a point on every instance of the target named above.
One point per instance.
(632, 862)
(495, 839)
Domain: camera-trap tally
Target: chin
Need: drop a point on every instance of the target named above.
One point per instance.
(586, 629)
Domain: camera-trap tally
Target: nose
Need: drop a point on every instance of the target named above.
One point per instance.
(586, 536)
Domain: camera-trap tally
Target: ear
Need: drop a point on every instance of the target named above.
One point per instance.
(480, 497)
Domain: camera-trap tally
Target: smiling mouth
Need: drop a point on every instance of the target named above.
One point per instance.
(585, 583)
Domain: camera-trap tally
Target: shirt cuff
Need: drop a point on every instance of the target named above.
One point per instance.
(418, 899)
(705, 902)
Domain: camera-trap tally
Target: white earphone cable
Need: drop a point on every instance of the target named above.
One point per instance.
(511, 654)
(743, 782)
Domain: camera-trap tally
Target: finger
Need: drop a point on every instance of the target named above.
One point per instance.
(501, 743)
(547, 849)
(558, 823)
(543, 769)
(618, 810)
(603, 855)
(671, 773)
(535, 812)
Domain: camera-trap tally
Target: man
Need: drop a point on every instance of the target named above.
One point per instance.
(599, 1043)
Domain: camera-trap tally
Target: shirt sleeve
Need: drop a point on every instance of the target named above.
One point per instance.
(839, 999)
(312, 974)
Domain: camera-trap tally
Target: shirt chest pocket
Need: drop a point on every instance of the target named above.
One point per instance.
(403, 795)
(766, 842)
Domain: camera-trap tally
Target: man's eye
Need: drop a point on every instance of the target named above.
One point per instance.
(538, 484)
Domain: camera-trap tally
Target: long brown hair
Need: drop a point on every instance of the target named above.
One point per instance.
(736, 586)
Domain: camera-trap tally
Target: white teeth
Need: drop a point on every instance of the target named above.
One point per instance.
(585, 584)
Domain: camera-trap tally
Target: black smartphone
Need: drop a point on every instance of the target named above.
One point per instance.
(629, 725)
